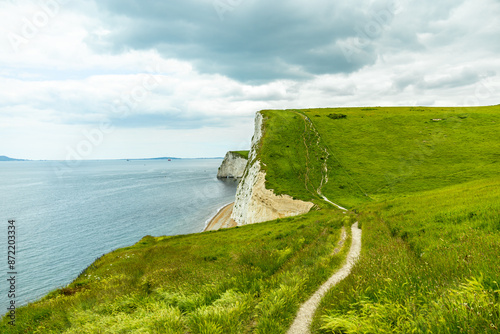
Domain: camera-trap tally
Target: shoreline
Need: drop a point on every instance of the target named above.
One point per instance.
(222, 219)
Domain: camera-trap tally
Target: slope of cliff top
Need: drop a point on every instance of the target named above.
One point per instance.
(360, 155)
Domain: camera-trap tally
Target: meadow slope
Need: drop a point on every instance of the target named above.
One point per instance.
(425, 182)
(250, 279)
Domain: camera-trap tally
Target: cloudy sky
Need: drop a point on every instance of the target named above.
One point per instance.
(94, 79)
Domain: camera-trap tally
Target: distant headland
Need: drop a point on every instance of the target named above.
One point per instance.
(5, 158)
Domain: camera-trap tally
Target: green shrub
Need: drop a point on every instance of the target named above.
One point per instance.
(337, 116)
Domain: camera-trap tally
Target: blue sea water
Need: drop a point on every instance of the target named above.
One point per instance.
(64, 221)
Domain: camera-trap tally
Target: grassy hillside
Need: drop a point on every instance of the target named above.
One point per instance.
(242, 280)
(430, 264)
(389, 152)
(378, 153)
(425, 183)
(290, 155)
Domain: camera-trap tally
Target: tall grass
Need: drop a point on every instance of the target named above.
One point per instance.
(429, 265)
(246, 279)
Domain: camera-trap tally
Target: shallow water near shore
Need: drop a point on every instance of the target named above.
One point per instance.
(64, 222)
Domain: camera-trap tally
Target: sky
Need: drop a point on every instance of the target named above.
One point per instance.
(114, 79)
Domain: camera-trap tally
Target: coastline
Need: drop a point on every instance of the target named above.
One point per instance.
(222, 219)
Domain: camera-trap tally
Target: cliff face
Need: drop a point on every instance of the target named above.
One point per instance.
(254, 203)
(232, 166)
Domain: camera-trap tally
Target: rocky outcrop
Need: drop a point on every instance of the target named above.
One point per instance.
(254, 203)
(232, 166)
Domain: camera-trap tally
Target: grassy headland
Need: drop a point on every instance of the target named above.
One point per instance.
(425, 182)
(243, 154)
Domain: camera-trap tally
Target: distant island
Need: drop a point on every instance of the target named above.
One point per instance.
(5, 158)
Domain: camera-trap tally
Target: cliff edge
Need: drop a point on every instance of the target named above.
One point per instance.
(233, 164)
(254, 203)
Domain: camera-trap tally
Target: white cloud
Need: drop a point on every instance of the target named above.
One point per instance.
(59, 84)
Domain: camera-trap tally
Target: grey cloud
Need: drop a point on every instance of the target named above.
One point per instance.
(177, 121)
(441, 80)
(338, 90)
(258, 41)
(405, 80)
(267, 95)
(464, 78)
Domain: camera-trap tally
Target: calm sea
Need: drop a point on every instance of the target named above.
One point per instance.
(64, 222)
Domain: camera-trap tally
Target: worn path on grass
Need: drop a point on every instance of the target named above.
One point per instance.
(304, 317)
(324, 173)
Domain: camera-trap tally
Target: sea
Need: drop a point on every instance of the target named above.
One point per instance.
(67, 217)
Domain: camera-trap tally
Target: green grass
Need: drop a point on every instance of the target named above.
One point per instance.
(425, 181)
(389, 152)
(292, 155)
(246, 279)
(243, 154)
(429, 265)
(378, 153)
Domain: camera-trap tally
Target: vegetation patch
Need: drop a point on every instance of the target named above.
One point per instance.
(336, 116)
(243, 154)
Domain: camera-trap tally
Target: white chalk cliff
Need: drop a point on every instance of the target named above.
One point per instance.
(232, 166)
(254, 203)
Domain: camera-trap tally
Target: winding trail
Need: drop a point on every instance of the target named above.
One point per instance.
(338, 206)
(304, 317)
(306, 312)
